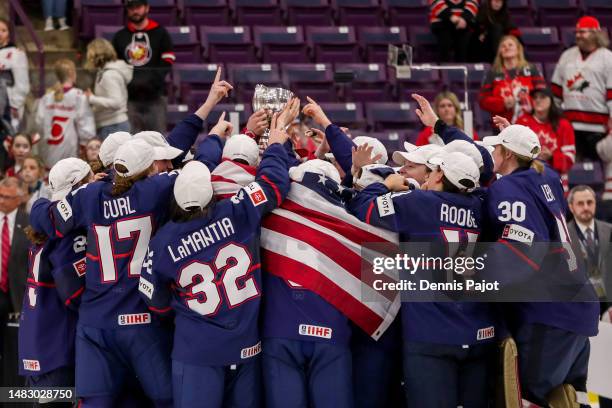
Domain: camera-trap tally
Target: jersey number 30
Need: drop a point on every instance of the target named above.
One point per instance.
(233, 263)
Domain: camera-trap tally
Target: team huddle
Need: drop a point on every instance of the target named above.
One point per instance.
(142, 277)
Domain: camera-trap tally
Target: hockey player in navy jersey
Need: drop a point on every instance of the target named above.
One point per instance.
(204, 265)
(447, 346)
(306, 346)
(55, 283)
(523, 209)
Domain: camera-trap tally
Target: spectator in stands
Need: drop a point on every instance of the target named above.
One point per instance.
(493, 22)
(110, 96)
(590, 239)
(452, 23)
(57, 9)
(147, 46)
(33, 175)
(20, 147)
(604, 149)
(447, 107)
(14, 76)
(92, 149)
(583, 81)
(506, 87)
(64, 118)
(555, 133)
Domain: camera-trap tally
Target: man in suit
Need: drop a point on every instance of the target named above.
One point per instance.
(13, 270)
(591, 240)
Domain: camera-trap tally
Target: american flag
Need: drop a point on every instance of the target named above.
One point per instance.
(229, 177)
(313, 241)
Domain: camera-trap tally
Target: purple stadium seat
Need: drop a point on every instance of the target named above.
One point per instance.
(227, 44)
(568, 36)
(476, 73)
(185, 43)
(308, 12)
(391, 115)
(369, 82)
(314, 80)
(600, 8)
(409, 13)
(163, 11)
(557, 12)
(175, 113)
(332, 44)
(425, 83)
(424, 43)
(549, 69)
(193, 81)
(244, 111)
(589, 173)
(391, 140)
(542, 43)
(206, 12)
(106, 32)
(102, 12)
(257, 12)
(244, 77)
(375, 41)
(520, 10)
(280, 44)
(345, 114)
(359, 12)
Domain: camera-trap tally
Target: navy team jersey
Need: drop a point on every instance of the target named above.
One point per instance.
(291, 312)
(47, 326)
(521, 209)
(426, 216)
(118, 233)
(208, 271)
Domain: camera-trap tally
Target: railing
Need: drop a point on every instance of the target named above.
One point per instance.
(17, 9)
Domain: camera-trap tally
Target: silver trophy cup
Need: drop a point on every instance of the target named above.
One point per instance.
(272, 100)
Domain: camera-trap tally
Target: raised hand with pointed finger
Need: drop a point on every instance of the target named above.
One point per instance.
(223, 128)
(315, 111)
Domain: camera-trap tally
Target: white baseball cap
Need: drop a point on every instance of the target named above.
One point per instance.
(193, 187)
(418, 155)
(458, 168)
(109, 146)
(65, 174)
(466, 148)
(518, 139)
(135, 155)
(370, 174)
(315, 166)
(162, 150)
(378, 147)
(241, 147)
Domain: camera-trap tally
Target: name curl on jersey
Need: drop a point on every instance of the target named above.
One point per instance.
(202, 238)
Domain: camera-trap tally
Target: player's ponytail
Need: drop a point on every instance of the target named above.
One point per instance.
(65, 71)
(36, 238)
(97, 166)
(122, 184)
(526, 162)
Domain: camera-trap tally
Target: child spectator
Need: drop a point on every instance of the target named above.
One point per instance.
(33, 174)
(447, 107)
(57, 9)
(506, 87)
(14, 75)
(452, 22)
(20, 148)
(64, 118)
(110, 96)
(92, 149)
(493, 22)
(555, 133)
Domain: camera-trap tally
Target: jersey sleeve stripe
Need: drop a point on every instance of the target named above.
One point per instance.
(74, 296)
(521, 255)
(279, 198)
(163, 310)
(369, 213)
